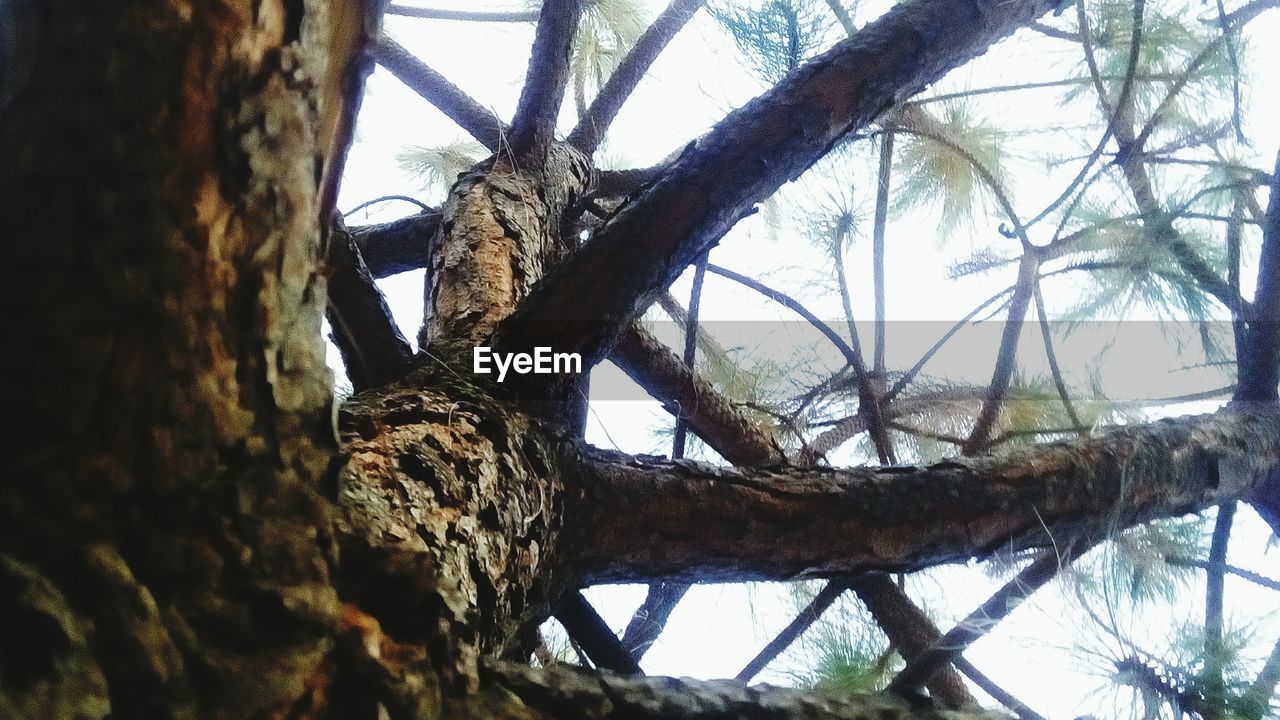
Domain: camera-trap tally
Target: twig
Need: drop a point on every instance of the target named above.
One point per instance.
(387, 198)
(1253, 577)
(1052, 357)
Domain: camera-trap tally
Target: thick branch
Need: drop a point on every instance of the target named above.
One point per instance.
(722, 524)
(590, 299)
(563, 692)
(473, 117)
(592, 127)
(397, 246)
(589, 630)
(534, 125)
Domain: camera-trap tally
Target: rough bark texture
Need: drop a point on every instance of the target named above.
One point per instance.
(397, 246)
(452, 509)
(646, 517)
(163, 541)
(499, 232)
(563, 691)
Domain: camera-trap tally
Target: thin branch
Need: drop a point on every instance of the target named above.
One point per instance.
(1253, 577)
(470, 115)
(1225, 27)
(842, 16)
(1002, 696)
(1259, 365)
(883, 178)
(982, 620)
(599, 116)
(1018, 87)
(915, 369)
(1054, 32)
(910, 632)
(589, 631)
(1247, 12)
(794, 629)
(1113, 112)
(387, 198)
(533, 128)
(1215, 687)
(1047, 335)
(690, 347)
(1005, 356)
(463, 15)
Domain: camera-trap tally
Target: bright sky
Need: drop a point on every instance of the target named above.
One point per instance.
(701, 76)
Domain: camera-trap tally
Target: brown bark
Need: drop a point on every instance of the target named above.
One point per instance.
(645, 518)
(499, 233)
(164, 531)
(713, 418)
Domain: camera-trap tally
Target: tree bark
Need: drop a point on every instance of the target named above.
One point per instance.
(165, 545)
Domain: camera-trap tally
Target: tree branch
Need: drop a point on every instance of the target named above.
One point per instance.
(1259, 365)
(519, 692)
(709, 414)
(595, 123)
(397, 246)
(586, 628)
(533, 128)
(989, 686)
(794, 629)
(979, 622)
(1006, 357)
(1253, 577)
(470, 115)
(588, 301)
(911, 633)
(372, 347)
(723, 524)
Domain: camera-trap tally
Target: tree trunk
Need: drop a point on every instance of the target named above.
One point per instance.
(166, 546)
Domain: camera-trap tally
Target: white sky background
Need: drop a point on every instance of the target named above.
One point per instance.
(700, 77)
